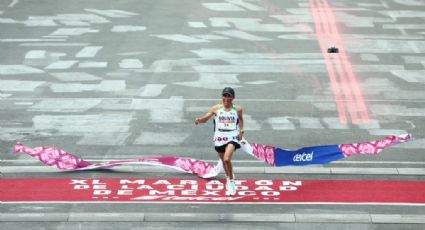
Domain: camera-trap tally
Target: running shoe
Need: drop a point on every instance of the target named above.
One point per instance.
(231, 187)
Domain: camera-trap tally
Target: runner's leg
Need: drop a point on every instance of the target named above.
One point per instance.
(221, 155)
(230, 149)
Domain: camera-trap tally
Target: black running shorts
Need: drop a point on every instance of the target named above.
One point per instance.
(222, 149)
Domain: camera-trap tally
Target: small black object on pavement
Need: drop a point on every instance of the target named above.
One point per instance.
(333, 50)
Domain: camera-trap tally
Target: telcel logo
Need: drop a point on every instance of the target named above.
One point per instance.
(303, 157)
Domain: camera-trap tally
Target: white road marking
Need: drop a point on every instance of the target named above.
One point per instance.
(73, 22)
(160, 66)
(211, 53)
(412, 76)
(75, 76)
(397, 110)
(127, 28)
(213, 81)
(131, 64)
(4, 95)
(416, 144)
(371, 125)
(254, 25)
(280, 123)
(384, 46)
(152, 90)
(222, 7)
(163, 138)
(246, 61)
(174, 139)
(181, 38)
(404, 26)
(410, 2)
(260, 82)
(54, 44)
(104, 86)
(333, 123)
(19, 86)
(41, 57)
(296, 217)
(80, 124)
(196, 24)
(396, 14)
(18, 69)
(386, 132)
(325, 106)
(63, 105)
(247, 5)
(8, 20)
(35, 21)
(90, 64)
(31, 40)
(80, 19)
(131, 53)
(287, 68)
(62, 64)
(104, 139)
(250, 123)
(88, 51)
(24, 103)
(160, 110)
(211, 37)
(369, 57)
(298, 37)
(72, 31)
(309, 122)
(219, 203)
(413, 59)
(112, 13)
(36, 54)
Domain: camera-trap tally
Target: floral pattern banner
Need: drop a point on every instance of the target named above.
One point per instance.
(58, 158)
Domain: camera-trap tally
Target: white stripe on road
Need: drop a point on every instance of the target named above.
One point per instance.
(217, 203)
(244, 170)
(61, 64)
(13, 3)
(88, 52)
(31, 40)
(53, 44)
(215, 217)
(151, 90)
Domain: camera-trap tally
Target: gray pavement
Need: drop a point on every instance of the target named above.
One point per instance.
(124, 79)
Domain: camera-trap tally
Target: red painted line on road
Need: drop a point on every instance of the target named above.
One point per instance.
(328, 34)
(332, 76)
(200, 190)
(359, 101)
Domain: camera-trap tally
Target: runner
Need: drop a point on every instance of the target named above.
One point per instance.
(228, 131)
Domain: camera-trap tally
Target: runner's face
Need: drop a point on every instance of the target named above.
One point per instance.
(227, 99)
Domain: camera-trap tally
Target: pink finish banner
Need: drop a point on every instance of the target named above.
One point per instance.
(60, 159)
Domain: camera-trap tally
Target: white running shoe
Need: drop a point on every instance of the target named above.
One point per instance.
(231, 187)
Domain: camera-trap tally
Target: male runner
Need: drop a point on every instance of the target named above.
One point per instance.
(228, 131)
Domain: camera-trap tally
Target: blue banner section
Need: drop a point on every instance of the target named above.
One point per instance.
(307, 156)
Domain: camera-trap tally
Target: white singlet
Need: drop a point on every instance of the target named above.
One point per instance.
(226, 126)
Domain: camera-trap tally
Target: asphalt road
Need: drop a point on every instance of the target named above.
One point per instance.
(125, 79)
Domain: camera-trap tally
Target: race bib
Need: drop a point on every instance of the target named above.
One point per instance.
(226, 123)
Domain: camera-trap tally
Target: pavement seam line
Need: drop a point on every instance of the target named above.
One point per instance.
(235, 217)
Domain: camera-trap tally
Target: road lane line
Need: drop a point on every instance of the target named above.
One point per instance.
(215, 217)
